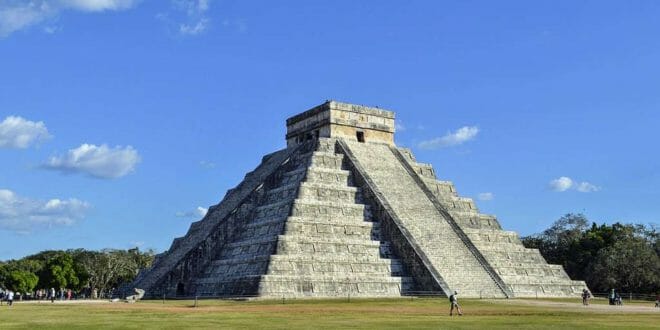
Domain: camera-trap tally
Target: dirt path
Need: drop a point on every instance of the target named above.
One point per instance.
(598, 308)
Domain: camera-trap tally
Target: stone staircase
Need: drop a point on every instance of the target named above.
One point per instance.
(311, 237)
(206, 236)
(523, 270)
(432, 232)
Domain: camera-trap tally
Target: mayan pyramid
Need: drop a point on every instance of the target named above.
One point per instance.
(344, 211)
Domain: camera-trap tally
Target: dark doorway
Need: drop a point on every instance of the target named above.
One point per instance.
(180, 289)
(360, 136)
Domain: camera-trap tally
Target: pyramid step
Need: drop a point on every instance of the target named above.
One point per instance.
(312, 227)
(328, 176)
(364, 230)
(334, 268)
(224, 269)
(273, 210)
(328, 240)
(293, 176)
(284, 192)
(326, 145)
(249, 248)
(322, 208)
(309, 245)
(334, 257)
(329, 193)
(326, 160)
(309, 286)
(334, 220)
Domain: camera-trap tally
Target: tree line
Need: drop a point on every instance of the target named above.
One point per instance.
(79, 270)
(625, 257)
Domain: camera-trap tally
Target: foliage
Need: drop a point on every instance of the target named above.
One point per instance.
(622, 256)
(59, 272)
(22, 281)
(74, 269)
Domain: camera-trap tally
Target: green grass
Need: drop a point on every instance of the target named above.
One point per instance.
(315, 314)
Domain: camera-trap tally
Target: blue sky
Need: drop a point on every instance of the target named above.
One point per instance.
(122, 120)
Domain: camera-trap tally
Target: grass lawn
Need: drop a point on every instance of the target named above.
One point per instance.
(404, 313)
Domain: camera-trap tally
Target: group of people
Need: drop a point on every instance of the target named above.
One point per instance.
(8, 296)
(615, 298)
(41, 294)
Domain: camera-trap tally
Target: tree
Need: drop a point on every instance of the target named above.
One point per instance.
(59, 272)
(630, 265)
(22, 281)
(622, 256)
(109, 268)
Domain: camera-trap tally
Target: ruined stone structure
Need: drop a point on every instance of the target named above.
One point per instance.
(344, 211)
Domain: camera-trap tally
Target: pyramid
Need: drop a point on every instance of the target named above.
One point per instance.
(344, 211)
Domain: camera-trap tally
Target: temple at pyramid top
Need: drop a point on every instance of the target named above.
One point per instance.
(334, 119)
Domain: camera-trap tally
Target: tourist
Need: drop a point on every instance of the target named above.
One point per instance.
(453, 300)
(585, 297)
(10, 298)
(617, 300)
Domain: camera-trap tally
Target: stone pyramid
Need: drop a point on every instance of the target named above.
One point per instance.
(343, 211)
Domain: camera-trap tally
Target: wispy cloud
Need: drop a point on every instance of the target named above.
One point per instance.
(17, 132)
(586, 187)
(17, 15)
(199, 212)
(486, 196)
(398, 126)
(207, 164)
(97, 161)
(187, 17)
(565, 183)
(458, 137)
(21, 214)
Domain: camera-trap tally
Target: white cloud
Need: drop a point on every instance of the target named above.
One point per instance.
(22, 214)
(16, 132)
(17, 15)
(98, 5)
(98, 161)
(199, 212)
(486, 196)
(586, 187)
(197, 28)
(188, 17)
(565, 183)
(561, 184)
(460, 136)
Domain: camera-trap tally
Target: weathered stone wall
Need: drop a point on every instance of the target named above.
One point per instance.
(425, 223)
(336, 119)
(523, 270)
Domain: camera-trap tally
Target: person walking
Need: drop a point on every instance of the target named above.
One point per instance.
(52, 295)
(10, 298)
(453, 301)
(586, 295)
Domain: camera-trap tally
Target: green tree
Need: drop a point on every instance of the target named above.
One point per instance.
(22, 281)
(59, 272)
(622, 256)
(630, 265)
